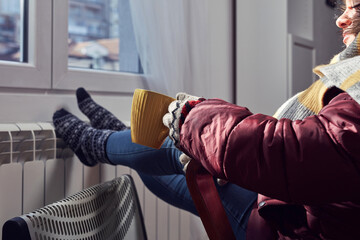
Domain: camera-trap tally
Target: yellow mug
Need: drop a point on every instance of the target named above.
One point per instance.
(147, 111)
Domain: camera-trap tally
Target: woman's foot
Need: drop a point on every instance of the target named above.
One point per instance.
(88, 143)
(99, 117)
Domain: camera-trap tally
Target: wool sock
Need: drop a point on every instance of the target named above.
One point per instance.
(88, 143)
(99, 117)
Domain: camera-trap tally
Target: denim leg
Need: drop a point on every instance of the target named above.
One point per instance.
(172, 189)
(162, 173)
(164, 161)
(237, 201)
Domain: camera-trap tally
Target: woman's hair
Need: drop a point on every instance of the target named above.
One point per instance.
(355, 28)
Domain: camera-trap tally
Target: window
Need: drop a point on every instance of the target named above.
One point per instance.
(25, 59)
(96, 44)
(69, 43)
(96, 30)
(11, 29)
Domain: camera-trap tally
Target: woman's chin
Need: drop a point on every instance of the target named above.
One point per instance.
(348, 39)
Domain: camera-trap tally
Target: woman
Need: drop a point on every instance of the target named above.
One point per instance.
(306, 161)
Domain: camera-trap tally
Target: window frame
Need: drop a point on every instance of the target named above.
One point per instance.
(66, 78)
(47, 66)
(36, 72)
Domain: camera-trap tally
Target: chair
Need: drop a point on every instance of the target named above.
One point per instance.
(109, 210)
(208, 203)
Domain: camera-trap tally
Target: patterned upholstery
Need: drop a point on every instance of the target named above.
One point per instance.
(108, 210)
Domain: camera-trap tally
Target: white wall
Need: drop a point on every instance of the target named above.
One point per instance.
(221, 76)
(261, 55)
(20, 105)
(266, 49)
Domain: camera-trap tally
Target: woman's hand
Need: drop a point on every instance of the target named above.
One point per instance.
(178, 110)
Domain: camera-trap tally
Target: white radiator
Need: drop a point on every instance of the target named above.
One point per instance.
(37, 169)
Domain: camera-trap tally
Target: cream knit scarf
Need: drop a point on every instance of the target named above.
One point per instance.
(342, 72)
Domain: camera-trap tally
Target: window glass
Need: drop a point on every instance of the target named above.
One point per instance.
(101, 36)
(12, 30)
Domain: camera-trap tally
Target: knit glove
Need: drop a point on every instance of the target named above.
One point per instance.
(178, 110)
(184, 160)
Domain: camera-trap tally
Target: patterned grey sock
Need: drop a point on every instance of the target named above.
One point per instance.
(99, 117)
(88, 143)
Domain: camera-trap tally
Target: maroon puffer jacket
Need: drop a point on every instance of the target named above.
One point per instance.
(309, 169)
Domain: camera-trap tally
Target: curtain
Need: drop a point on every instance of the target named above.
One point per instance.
(172, 41)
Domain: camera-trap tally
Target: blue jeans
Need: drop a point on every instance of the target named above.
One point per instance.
(162, 173)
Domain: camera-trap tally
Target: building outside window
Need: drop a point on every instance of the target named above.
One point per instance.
(10, 30)
(95, 35)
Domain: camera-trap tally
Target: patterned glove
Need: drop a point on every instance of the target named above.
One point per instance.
(178, 110)
(184, 160)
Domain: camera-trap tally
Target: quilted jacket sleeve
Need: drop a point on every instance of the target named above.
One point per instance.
(315, 160)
